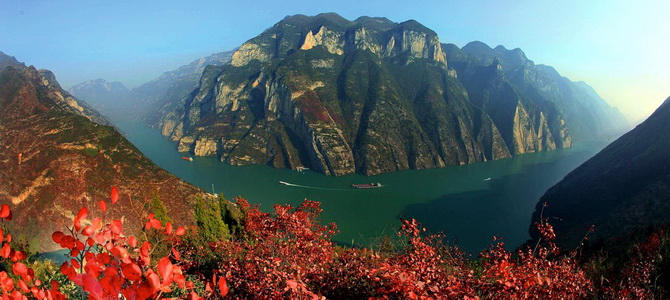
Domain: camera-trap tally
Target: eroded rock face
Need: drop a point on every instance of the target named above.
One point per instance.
(368, 96)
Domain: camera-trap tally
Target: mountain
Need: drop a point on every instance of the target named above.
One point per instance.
(587, 115)
(368, 96)
(6, 60)
(168, 91)
(623, 189)
(56, 159)
(102, 95)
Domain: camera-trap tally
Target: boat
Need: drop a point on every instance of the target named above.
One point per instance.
(187, 158)
(487, 179)
(367, 185)
(284, 183)
(301, 169)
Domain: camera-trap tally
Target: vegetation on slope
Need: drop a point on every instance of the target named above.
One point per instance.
(288, 254)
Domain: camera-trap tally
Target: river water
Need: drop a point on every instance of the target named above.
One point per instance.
(460, 201)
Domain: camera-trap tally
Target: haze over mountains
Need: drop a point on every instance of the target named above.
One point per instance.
(59, 155)
(369, 96)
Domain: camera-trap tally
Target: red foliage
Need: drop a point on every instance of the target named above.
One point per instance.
(108, 264)
(288, 254)
(23, 284)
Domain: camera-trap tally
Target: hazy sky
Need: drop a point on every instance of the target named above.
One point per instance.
(621, 48)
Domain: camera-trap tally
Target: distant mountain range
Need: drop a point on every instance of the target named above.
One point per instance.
(369, 96)
(59, 155)
(624, 190)
(152, 99)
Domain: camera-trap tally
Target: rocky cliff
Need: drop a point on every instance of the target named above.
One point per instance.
(368, 96)
(169, 91)
(55, 160)
(623, 190)
(586, 114)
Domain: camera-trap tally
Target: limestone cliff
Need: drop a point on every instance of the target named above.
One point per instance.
(339, 97)
(368, 96)
(586, 114)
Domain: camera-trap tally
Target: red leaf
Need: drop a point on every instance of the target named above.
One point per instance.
(24, 287)
(103, 205)
(176, 254)
(168, 228)
(5, 251)
(132, 272)
(117, 226)
(165, 270)
(180, 231)
(193, 296)
(132, 241)
(155, 223)
(57, 236)
(20, 269)
(114, 195)
(223, 287)
(5, 211)
(88, 231)
(153, 280)
(83, 212)
(92, 286)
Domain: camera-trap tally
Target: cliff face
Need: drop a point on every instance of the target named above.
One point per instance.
(368, 96)
(55, 160)
(337, 96)
(169, 91)
(586, 114)
(623, 190)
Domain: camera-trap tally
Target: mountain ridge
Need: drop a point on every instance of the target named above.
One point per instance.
(56, 159)
(311, 122)
(621, 190)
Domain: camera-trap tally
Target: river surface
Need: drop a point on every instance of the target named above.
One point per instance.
(470, 203)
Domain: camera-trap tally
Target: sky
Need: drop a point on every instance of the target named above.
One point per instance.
(621, 48)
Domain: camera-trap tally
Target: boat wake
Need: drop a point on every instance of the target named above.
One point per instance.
(312, 187)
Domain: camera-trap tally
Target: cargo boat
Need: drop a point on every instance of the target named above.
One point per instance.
(367, 185)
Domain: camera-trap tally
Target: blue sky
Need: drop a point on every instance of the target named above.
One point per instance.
(621, 48)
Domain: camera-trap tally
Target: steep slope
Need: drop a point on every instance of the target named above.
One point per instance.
(104, 96)
(169, 91)
(340, 96)
(624, 188)
(6, 60)
(55, 160)
(586, 114)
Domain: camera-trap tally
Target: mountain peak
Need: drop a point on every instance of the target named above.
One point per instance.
(7, 60)
(476, 47)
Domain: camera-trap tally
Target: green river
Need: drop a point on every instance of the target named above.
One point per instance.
(460, 201)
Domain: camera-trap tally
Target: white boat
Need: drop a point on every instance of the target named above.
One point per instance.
(284, 182)
(487, 179)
